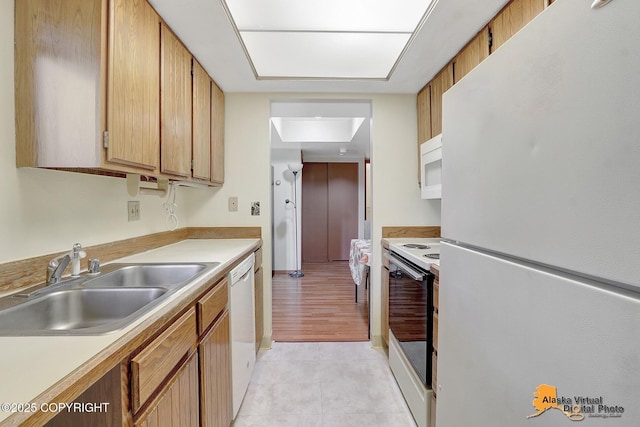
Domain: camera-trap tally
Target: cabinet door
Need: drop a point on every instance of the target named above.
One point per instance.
(512, 18)
(424, 119)
(217, 135)
(175, 101)
(424, 115)
(259, 297)
(133, 112)
(476, 51)
(215, 375)
(201, 123)
(58, 87)
(439, 85)
(385, 304)
(179, 405)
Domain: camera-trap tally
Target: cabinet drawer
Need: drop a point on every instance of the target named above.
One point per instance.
(211, 305)
(258, 262)
(435, 332)
(154, 363)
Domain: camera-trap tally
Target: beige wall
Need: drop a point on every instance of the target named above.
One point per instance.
(396, 196)
(43, 211)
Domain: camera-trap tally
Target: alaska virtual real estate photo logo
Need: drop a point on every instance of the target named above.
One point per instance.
(576, 408)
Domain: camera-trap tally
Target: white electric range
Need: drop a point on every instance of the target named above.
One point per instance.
(421, 252)
(411, 320)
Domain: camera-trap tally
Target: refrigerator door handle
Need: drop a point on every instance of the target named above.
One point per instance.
(411, 272)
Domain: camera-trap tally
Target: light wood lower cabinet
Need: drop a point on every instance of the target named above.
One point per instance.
(201, 390)
(215, 375)
(179, 404)
(152, 365)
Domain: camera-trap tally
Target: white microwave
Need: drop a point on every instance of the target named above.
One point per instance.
(431, 168)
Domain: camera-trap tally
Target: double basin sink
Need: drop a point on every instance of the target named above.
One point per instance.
(94, 305)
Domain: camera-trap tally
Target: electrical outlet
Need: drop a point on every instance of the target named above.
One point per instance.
(233, 204)
(133, 210)
(255, 208)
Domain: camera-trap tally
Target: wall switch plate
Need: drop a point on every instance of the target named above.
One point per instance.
(133, 210)
(233, 204)
(255, 208)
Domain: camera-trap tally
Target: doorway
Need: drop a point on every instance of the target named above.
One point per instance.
(331, 138)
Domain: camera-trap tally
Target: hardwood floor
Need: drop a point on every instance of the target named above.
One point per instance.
(319, 306)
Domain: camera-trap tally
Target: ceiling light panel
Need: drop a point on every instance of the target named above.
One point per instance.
(324, 55)
(331, 39)
(312, 129)
(328, 15)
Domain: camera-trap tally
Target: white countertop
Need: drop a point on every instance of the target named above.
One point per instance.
(31, 365)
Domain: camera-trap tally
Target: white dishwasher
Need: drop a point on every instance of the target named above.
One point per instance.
(243, 329)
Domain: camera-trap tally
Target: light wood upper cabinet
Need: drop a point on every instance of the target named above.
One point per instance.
(439, 85)
(512, 18)
(201, 123)
(424, 119)
(424, 114)
(104, 85)
(476, 51)
(58, 82)
(175, 105)
(133, 102)
(217, 135)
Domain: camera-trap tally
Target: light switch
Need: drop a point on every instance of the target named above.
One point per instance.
(233, 204)
(133, 210)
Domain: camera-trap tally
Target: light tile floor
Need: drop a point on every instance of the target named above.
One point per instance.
(323, 385)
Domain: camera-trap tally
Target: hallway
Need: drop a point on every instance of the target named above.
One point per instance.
(319, 306)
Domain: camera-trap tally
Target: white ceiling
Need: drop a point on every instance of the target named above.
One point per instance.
(206, 30)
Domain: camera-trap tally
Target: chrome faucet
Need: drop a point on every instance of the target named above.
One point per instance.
(56, 267)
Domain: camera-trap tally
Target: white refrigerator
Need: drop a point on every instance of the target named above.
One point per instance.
(539, 319)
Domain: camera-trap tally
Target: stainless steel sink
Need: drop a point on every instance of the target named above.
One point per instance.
(93, 305)
(78, 311)
(166, 275)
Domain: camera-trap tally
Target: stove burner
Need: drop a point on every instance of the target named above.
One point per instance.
(432, 256)
(416, 246)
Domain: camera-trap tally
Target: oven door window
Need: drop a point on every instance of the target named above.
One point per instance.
(408, 310)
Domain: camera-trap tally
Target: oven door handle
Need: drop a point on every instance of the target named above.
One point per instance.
(411, 272)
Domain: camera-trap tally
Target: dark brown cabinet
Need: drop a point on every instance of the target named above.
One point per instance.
(329, 210)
